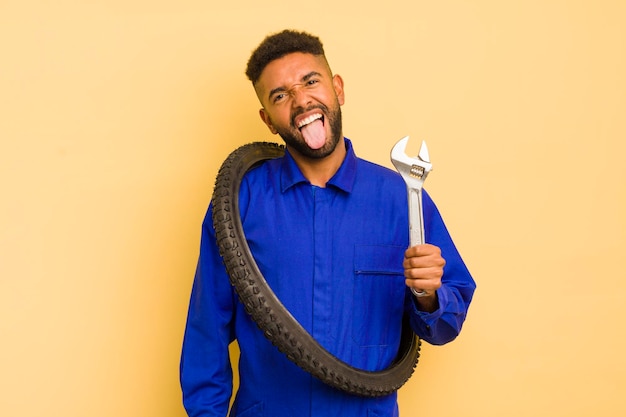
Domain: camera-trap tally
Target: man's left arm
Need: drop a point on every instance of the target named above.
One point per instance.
(437, 269)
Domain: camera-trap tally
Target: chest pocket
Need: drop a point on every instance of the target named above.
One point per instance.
(378, 294)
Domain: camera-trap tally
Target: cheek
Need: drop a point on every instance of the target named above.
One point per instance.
(280, 122)
(330, 99)
(282, 118)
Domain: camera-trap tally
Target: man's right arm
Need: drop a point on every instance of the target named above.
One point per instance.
(205, 370)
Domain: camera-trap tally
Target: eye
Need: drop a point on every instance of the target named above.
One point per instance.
(278, 97)
(312, 82)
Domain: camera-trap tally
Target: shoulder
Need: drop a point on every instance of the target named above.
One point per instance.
(375, 172)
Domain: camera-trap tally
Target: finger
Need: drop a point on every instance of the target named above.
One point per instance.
(422, 250)
(428, 285)
(424, 273)
(429, 261)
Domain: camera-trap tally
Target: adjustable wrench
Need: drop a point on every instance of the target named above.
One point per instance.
(414, 171)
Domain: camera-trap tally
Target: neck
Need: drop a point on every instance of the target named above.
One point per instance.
(320, 171)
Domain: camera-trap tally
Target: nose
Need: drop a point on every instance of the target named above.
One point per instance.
(300, 98)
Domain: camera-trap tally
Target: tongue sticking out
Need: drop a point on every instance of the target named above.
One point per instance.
(314, 134)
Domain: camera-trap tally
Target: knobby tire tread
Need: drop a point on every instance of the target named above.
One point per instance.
(276, 322)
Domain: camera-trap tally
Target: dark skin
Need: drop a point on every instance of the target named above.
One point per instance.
(299, 86)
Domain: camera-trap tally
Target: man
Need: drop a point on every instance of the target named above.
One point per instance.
(329, 232)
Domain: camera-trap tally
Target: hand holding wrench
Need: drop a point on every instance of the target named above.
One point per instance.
(413, 171)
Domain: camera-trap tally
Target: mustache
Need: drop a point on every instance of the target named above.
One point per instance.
(302, 110)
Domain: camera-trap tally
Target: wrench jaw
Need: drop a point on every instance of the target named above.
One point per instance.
(414, 170)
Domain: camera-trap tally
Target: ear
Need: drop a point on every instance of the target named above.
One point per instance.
(338, 86)
(266, 119)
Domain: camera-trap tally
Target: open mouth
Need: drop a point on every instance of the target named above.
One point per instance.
(310, 119)
(313, 132)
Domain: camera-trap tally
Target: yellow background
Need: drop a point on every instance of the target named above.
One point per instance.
(116, 114)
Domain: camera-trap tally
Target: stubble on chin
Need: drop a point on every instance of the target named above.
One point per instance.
(294, 140)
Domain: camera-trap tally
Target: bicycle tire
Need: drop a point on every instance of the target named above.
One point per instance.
(276, 322)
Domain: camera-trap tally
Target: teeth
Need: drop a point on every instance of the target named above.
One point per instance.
(309, 119)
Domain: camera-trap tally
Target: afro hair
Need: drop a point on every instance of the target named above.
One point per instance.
(277, 45)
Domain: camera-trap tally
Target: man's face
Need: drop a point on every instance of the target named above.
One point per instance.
(301, 102)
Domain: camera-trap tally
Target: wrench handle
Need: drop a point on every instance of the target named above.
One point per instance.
(416, 217)
(416, 224)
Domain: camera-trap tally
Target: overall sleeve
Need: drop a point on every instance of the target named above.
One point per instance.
(457, 289)
(205, 371)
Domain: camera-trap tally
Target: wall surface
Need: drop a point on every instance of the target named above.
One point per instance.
(115, 116)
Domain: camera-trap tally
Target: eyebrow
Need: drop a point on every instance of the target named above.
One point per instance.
(303, 80)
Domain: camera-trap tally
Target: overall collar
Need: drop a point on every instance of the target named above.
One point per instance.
(343, 178)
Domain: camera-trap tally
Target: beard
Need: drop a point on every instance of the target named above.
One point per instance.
(293, 137)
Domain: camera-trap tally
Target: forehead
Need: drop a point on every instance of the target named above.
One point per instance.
(289, 70)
